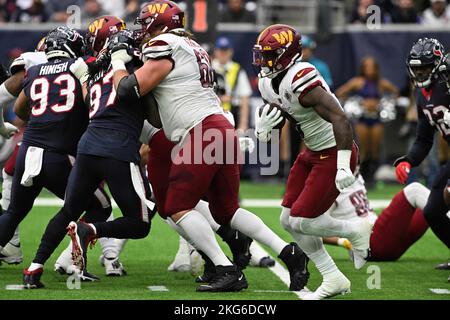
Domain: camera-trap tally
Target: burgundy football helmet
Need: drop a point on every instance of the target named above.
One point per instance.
(100, 30)
(276, 49)
(159, 16)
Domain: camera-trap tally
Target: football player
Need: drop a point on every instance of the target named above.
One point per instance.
(12, 252)
(325, 167)
(107, 151)
(52, 104)
(429, 69)
(178, 73)
(397, 228)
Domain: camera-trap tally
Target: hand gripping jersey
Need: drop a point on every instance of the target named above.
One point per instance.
(27, 60)
(58, 115)
(185, 97)
(353, 203)
(299, 80)
(114, 128)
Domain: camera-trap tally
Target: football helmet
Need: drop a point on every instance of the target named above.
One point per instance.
(424, 60)
(100, 30)
(159, 16)
(40, 47)
(277, 48)
(64, 42)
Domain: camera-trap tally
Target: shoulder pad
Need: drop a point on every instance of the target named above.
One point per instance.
(159, 47)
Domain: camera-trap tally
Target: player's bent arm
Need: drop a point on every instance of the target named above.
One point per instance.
(423, 142)
(21, 107)
(329, 109)
(152, 73)
(14, 83)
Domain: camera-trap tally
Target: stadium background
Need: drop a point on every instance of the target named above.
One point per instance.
(341, 43)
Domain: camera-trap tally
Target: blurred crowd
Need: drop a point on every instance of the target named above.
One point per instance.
(426, 12)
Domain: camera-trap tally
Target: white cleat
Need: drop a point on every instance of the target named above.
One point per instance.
(361, 244)
(11, 254)
(181, 263)
(113, 267)
(331, 286)
(64, 263)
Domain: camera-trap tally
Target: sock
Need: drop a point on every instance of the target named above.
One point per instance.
(35, 266)
(417, 195)
(15, 240)
(120, 243)
(253, 227)
(324, 226)
(109, 247)
(183, 247)
(284, 218)
(203, 207)
(123, 228)
(197, 227)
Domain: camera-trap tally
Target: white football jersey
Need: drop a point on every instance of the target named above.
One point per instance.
(27, 60)
(353, 203)
(299, 80)
(147, 133)
(185, 97)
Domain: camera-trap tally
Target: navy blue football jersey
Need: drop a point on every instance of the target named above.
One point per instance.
(114, 126)
(432, 104)
(58, 115)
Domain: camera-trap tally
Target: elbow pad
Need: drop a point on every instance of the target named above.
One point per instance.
(128, 89)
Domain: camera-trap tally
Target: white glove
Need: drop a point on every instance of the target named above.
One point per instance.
(344, 175)
(265, 122)
(447, 117)
(119, 58)
(8, 130)
(80, 70)
(246, 144)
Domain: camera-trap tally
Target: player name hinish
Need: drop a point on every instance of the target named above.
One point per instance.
(53, 68)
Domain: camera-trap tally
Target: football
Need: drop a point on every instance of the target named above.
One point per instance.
(271, 107)
(151, 110)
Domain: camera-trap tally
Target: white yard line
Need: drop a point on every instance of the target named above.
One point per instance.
(253, 203)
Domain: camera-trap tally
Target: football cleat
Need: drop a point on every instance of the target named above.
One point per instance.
(181, 263)
(297, 263)
(11, 254)
(32, 279)
(228, 279)
(332, 285)
(113, 267)
(82, 235)
(88, 277)
(443, 266)
(360, 252)
(64, 264)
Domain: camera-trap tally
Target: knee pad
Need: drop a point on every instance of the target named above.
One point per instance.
(284, 218)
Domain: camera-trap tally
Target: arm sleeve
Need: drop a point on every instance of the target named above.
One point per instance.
(423, 143)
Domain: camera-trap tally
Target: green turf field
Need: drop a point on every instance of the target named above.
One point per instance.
(146, 262)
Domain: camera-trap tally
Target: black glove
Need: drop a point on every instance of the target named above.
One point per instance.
(124, 39)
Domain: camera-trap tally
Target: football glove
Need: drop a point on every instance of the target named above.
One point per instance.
(344, 175)
(447, 117)
(402, 169)
(265, 122)
(8, 130)
(246, 144)
(80, 70)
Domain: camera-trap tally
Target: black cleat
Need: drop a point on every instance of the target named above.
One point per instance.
(297, 264)
(82, 235)
(32, 279)
(266, 262)
(209, 270)
(228, 279)
(443, 266)
(88, 277)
